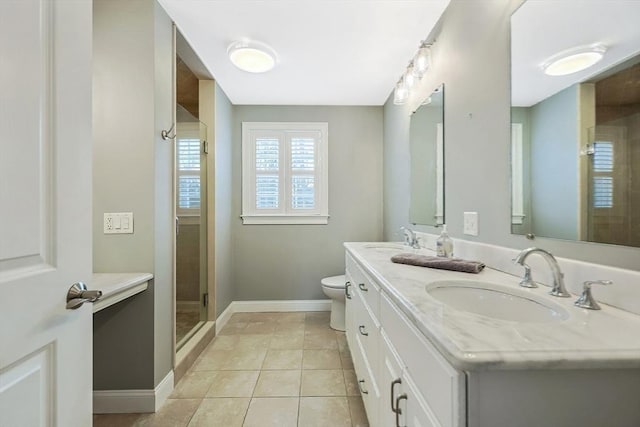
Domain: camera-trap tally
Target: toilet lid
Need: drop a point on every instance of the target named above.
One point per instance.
(336, 282)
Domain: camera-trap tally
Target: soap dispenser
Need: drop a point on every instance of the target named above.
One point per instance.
(444, 244)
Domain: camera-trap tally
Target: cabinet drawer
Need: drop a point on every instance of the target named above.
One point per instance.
(367, 332)
(367, 383)
(364, 285)
(440, 384)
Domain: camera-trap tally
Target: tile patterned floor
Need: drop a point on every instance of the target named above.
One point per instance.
(187, 317)
(263, 370)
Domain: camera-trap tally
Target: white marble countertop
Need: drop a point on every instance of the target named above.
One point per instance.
(607, 338)
(116, 287)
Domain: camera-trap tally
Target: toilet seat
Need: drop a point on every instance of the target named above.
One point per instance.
(334, 282)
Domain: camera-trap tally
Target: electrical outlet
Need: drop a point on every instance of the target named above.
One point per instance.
(471, 223)
(108, 223)
(118, 223)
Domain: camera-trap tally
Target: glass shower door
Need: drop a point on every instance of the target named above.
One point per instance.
(191, 228)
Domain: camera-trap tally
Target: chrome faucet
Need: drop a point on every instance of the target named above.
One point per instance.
(410, 238)
(558, 289)
(586, 300)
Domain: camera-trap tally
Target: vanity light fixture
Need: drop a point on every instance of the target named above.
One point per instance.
(573, 60)
(422, 60)
(414, 72)
(401, 92)
(252, 56)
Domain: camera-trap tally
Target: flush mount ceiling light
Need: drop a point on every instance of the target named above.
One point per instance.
(573, 60)
(252, 56)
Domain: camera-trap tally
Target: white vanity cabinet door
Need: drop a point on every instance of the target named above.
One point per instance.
(367, 383)
(415, 411)
(349, 315)
(390, 381)
(362, 284)
(441, 385)
(398, 390)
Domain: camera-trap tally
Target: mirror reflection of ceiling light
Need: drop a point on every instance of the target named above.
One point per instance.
(573, 60)
(252, 56)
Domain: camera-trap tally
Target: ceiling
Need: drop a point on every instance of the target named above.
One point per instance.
(330, 52)
(543, 28)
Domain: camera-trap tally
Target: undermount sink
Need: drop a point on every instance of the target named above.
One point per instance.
(388, 245)
(496, 301)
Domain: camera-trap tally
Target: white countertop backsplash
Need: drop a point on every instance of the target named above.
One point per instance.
(588, 339)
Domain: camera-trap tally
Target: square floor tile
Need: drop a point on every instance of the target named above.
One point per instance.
(278, 384)
(287, 341)
(316, 340)
(227, 412)
(240, 359)
(259, 328)
(351, 382)
(323, 383)
(241, 341)
(173, 413)
(112, 420)
(324, 411)
(193, 385)
(283, 359)
(357, 411)
(272, 412)
(321, 359)
(232, 383)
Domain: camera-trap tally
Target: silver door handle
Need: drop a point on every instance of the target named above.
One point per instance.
(363, 287)
(78, 295)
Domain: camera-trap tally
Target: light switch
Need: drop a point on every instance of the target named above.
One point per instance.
(118, 223)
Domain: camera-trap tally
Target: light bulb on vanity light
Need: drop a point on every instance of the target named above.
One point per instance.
(410, 78)
(401, 92)
(422, 61)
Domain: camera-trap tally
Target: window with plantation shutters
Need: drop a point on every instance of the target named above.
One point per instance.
(188, 148)
(602, 174)
(284, 176)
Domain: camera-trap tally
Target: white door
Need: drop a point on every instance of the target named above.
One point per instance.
(45, 212)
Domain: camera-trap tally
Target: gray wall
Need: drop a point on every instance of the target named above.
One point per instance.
(472, 57)
(132, 172)
(554, 165)
(224, 212)
(285, 262)
(522, 115)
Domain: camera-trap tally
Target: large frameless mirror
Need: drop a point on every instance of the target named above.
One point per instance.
(575, 115)
(427, 161)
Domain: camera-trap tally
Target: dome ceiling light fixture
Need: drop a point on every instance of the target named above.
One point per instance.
(574, 60)
(252, 56)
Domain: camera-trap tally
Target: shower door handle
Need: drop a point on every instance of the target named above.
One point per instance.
(78, 294)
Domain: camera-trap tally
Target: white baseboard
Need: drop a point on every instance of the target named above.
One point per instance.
(270, 306)
(132, 401)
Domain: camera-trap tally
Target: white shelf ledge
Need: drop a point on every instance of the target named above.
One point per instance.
(116, 287)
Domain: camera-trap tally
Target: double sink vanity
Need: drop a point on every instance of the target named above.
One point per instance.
(437, 348)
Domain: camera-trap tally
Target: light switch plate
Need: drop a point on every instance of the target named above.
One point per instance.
(118, 223)
(471, 223)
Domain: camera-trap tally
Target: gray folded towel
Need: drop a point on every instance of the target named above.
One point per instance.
(454, 264)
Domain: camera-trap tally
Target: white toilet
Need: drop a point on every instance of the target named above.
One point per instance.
(333, 287)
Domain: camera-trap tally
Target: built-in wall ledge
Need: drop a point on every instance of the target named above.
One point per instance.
(116, 287)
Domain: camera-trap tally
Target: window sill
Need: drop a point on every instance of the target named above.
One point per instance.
(285, 219)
